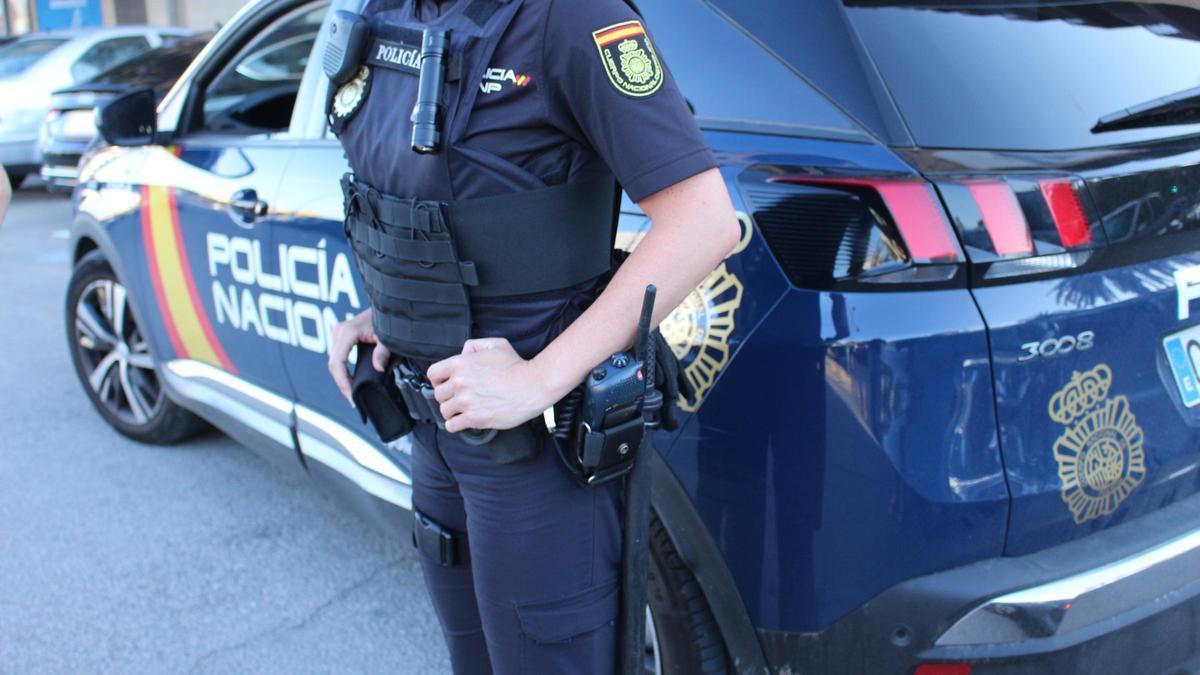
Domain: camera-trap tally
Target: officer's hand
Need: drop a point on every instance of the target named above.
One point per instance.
(488, 386)
(346, 336)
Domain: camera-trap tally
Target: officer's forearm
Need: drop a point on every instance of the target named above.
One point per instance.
(694, 228)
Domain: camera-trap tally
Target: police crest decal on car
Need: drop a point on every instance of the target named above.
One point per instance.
(1101, 455)
(629, 58)
(699, 329)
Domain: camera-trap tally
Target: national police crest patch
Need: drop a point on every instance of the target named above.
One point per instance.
(629, 58)
(351, 95)
(348, 98)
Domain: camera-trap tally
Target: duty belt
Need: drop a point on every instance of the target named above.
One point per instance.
(421, 261)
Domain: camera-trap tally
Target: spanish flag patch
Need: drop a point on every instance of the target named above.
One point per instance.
(629, 58)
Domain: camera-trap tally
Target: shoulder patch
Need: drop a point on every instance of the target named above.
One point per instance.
(629, 58)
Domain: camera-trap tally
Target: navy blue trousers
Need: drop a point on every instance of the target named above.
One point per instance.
(541, 592)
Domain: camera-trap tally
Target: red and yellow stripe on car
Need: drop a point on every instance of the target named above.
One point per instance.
(187, 323)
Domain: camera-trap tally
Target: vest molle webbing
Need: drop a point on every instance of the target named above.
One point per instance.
(422, 261)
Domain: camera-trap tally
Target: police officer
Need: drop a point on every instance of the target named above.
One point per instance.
(545, 102)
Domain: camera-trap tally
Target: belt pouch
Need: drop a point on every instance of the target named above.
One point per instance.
(519, 444)
(378, 399)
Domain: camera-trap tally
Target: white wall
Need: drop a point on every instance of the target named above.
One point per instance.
(198, 14)
(157, 13)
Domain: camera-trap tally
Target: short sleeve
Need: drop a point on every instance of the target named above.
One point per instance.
(608, 85)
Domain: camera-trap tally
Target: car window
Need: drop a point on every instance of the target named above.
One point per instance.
(18, 56)
(157, 68)
(106, 54)
(1029, 74)
(730, 80)
(256, 92)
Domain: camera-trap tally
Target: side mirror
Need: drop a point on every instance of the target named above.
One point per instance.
(129, 119)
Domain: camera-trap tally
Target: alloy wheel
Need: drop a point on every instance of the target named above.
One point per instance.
(114, 354)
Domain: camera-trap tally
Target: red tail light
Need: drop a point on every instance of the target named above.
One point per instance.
(921, 220)
(1019, 225)
(1002, 217)
(913, 206)
(1069, 217)
(943, 669)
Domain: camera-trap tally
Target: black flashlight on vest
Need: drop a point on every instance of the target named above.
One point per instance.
(427, 113)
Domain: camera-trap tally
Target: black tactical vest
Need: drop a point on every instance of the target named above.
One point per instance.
(423, 252)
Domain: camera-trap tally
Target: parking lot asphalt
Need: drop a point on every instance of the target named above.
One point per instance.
(199, 558)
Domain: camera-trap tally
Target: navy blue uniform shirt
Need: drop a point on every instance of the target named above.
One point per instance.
(574, 89)
(549, 103)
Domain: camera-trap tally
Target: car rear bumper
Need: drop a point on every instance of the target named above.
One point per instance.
(60, 170)
(20, 153)
(1123, 600)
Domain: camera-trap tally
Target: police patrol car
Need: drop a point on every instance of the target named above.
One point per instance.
(947, 387)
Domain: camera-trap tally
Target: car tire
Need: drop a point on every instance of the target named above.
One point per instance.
(685, 638)
(15, 180)
(113, 361)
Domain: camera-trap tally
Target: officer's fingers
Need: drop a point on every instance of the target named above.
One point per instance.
(442, 370)
(379, 357)
(455, 406)
(339, 351)
(482, 344)
(464, 421)
(444, 391)
(345, 336)
(341, 377)
(339, 338)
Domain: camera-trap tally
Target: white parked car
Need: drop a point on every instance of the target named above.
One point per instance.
(34, 65)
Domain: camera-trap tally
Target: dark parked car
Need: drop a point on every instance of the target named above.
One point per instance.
(946, 416)
(70, 126)
(34, 65)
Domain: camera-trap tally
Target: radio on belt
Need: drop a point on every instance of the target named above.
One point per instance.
(599, 427)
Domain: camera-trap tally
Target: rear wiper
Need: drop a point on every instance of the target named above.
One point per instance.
(1178, 108)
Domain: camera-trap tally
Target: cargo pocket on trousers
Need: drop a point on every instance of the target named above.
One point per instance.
(576, 634)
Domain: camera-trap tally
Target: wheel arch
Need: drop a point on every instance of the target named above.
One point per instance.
(88, 235)
(83, 246)
(689, 535)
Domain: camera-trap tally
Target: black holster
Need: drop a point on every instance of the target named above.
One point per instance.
(377, 398)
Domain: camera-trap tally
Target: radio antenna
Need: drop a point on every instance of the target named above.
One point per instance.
(641, 344)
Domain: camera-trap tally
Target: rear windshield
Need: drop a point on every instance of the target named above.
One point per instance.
(17, 57)
(1016, 74)
(156, 69)
(732, 82)
(1029, 75)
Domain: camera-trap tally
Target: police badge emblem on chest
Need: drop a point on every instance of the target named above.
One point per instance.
(629, 58)
(350, 95)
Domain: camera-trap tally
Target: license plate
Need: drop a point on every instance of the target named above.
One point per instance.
(1183, 354)
(79, 124)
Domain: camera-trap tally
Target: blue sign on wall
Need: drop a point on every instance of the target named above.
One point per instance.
(56, 14)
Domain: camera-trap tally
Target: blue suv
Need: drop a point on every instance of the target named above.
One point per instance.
(947, 387)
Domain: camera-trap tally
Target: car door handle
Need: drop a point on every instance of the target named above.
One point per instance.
(245, 207)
